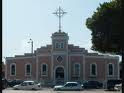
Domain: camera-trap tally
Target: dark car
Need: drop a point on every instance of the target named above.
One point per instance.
(4, 83)
(111, 84)
(92, 85)
(14, 82)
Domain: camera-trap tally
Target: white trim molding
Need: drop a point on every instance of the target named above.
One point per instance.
(26, 69)
(59, 45)
(37, 70)
(59, 53)
(60, 38)
(75, 74)
(41, 69)
(102, 56)
(67, 68)
(112, 70)
(44, 54)
(23, 57)
(76, 54)
(6, 68)
(118, 68)
(58, 60)
(91, 75)
(11, 69)
(62, 44)
(52, 68)
(84, 67)
(55, 71)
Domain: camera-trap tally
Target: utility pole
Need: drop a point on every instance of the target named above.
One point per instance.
(31, 41)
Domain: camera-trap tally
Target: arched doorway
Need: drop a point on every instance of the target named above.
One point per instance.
(59, 75)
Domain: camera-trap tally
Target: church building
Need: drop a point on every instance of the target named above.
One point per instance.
(62, 62)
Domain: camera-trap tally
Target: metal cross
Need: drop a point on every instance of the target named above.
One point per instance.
(59, 13)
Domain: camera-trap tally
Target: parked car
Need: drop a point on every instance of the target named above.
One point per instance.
(92, 85)
(68, 86)
(4, 83)
(12, 83)
(28, 85)
(118, 87)
(111, 84)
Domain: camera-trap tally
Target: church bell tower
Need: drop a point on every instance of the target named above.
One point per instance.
(60, 39)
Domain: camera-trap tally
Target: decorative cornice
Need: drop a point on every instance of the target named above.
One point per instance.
(11, 58)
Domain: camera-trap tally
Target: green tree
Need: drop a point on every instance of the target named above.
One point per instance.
(105, 25)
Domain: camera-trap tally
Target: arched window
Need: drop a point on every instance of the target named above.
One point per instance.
(13, 69)
(93, 69)
(57, 45)
(110, 69)
(62, 45)
(28, 69)
(77, 69)
(44, 69)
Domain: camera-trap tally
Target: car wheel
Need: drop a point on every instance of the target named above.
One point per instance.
(16, 89)
(78, 89)
(58, 89)
(82, 88)
(97, 87)
(3, 87)
(54, 89)
(33, 89)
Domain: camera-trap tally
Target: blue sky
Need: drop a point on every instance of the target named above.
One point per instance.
(25, 19)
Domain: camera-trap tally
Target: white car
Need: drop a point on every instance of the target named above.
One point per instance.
(69, 86)
(28, 85)
(118, 87)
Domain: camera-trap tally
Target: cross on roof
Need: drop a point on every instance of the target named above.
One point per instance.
(59, 13)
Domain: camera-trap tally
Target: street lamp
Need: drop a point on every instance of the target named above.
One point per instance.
(31, 41)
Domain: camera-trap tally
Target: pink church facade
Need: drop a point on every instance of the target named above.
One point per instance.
(61, 62)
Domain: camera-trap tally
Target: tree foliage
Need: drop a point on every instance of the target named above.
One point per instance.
(105, 27)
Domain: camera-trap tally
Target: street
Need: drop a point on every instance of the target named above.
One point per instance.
(50, 90)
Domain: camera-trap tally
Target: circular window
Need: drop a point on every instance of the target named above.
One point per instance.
(59, 58)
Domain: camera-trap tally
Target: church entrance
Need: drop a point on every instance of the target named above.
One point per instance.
(59, 75)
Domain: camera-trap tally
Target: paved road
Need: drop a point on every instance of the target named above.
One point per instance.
(49, 90)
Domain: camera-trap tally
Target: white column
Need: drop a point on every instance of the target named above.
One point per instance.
(52, 73)
(84, 67)
(105, 81)
(69, 68)
(118, 69)
(67, 60)
(37, 72)
(6, 69)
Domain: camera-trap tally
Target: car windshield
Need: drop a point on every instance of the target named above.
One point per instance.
(36, 82)
(70, 84)
(114, 81)
(74, 84)
(31, 83)
(23, 84)
(67, 84)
